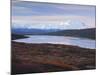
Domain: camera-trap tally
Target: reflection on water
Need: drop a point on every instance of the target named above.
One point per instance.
(82, 42)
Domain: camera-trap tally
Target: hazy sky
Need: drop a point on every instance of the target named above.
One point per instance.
(47, 16)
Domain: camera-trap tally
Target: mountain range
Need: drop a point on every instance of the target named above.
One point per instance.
(27, 31)
(86, 33)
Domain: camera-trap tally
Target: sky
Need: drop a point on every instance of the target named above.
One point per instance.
(52, 16)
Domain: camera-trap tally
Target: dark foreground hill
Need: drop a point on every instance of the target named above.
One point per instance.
(39, 58)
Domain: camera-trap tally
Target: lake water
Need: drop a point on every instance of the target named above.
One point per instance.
(81, 42)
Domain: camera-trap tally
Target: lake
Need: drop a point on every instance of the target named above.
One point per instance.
(66, 40)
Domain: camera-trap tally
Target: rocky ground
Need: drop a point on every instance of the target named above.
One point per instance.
(36, 58)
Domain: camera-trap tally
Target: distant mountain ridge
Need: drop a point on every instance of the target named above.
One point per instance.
(85, 33)
(26, 31)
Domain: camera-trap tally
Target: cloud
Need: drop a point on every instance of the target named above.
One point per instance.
(54, 21)
(33, 8)
(45, 15)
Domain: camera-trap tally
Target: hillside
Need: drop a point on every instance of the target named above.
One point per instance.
(87, 33)
(29, 58)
